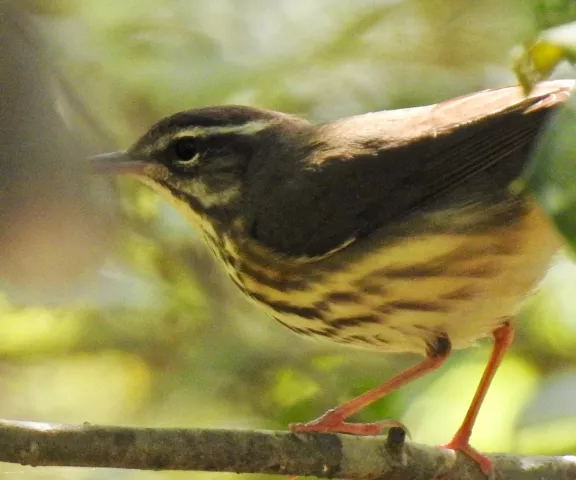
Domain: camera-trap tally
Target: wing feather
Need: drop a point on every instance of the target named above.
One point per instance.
(375, 170)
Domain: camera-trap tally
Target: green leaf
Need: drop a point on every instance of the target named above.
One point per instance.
(537, 60)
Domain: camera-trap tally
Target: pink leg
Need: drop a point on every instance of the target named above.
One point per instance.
(503, 337)
(333, 420)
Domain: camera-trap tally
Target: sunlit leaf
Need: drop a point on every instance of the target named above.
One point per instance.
(292, 388)
(537, 60)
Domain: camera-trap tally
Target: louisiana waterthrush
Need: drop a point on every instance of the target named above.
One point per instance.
(395, 230)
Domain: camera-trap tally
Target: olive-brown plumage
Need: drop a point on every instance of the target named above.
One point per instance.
(394, 230)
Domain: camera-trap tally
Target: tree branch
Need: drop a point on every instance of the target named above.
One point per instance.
(246, 451)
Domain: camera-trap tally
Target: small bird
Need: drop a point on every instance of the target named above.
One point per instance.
(397, 230)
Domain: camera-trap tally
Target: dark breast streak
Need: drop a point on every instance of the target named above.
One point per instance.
(400, 295)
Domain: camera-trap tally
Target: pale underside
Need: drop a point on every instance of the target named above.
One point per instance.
(387, 303)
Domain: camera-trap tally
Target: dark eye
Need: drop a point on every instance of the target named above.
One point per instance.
(184, 149)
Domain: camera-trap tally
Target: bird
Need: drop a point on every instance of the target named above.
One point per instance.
(398, 230)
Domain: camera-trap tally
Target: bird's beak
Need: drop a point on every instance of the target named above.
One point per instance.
(115, 163)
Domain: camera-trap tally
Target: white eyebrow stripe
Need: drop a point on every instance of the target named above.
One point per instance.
(250, 128)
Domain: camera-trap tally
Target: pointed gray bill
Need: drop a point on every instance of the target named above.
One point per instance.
(115, 163)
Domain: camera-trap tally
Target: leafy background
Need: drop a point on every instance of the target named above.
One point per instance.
(155, 335)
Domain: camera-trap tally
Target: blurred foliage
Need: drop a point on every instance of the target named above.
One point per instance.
(551, 174)
(52, 230)
(163, 339)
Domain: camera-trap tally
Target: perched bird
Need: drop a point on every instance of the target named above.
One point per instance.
(395, 230)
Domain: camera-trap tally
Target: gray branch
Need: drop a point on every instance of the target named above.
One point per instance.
(247, 451)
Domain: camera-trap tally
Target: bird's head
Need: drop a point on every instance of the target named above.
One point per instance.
(202, 159)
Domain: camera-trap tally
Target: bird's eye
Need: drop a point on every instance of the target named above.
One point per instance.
(185, 149)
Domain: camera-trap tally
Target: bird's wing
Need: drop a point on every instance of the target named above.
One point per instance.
(379, 169)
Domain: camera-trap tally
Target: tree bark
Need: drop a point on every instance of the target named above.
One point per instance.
(247, 451)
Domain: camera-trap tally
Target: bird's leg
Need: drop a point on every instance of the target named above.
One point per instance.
(503, 337)
(333, 420)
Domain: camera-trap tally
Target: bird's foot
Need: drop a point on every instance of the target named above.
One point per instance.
(460, 443)
(332, 422)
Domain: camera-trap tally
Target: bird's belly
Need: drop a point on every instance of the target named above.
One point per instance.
(403, 296)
